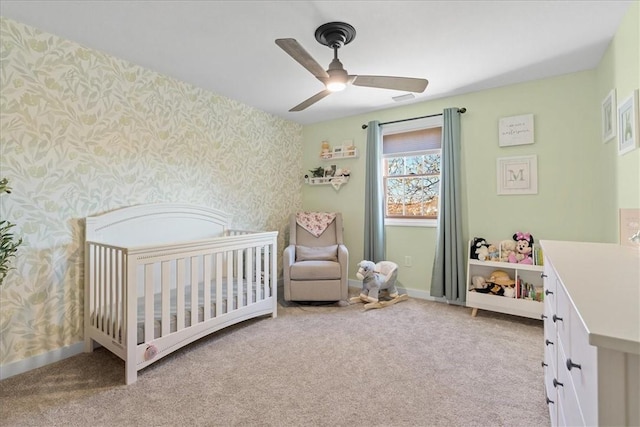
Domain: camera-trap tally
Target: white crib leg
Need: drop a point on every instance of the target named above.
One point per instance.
(131, 372)
(88, 345)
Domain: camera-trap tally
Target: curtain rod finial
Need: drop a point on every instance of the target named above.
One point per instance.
(365, 126)
(462, 110)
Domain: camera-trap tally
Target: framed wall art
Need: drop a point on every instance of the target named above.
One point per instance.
(518, 175)
(628, 123)
(609, 116)
(515, 130)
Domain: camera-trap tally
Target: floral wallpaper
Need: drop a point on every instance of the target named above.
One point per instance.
(82, 133)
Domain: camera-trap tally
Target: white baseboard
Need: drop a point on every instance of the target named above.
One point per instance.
(24, 365)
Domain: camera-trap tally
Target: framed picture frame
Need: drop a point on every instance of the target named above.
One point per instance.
(516, 130)
(609, 115)
(517, 175)
(628, 123)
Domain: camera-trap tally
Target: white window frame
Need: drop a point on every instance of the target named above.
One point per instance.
(408, 126)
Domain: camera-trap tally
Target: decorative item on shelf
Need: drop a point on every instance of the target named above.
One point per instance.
(325, 151)
(328, 175)
(524, 248)
(479, 249)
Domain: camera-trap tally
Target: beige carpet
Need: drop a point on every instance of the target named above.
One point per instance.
(417, 363)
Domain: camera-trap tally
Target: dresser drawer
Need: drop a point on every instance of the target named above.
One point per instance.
(584, 376)
(563, 316)
(550, 284)
(568, 398)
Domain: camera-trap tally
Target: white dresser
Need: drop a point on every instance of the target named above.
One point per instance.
(592, 333)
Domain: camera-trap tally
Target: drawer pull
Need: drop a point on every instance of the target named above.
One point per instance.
(548, 292)
(556, 383)
(549, 401)
(543, 364)
(555, 318)
(571, 365)
(542, 316)
(547, 342)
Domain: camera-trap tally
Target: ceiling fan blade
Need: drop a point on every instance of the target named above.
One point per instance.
(407, 84)
(297, 52)
(315, 98)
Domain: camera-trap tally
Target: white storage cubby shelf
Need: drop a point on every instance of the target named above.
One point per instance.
(339, 154)
(518, 306)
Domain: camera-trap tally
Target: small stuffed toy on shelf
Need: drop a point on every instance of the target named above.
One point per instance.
(479, 249)
(524, 248)
(507, 248)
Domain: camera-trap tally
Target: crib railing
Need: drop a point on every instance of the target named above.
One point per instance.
(180, 285)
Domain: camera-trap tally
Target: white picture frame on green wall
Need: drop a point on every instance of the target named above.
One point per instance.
(628, 123)
(609, 116)
(516, 130)
(517, 175)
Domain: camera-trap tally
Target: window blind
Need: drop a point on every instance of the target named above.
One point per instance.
(412, 141)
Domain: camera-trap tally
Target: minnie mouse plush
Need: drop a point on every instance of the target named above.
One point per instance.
(524, 247)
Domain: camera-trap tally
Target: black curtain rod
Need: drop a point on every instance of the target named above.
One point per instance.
(460, 110)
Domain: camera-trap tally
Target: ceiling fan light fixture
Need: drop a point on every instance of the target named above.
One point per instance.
(336, 86)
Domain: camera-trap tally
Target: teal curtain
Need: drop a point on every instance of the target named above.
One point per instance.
(374, 239)
(448, 279)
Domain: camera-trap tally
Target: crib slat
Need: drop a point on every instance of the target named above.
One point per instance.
(239, 279)
(258, 260)
(93, 287)
(166, 298)
(113, 307)
(219, 269)
(249, 276)
(229, 281)
(101, 289)
(149, 330)
(120, 289)
(207, 287)
(194, 290)
(180, 279)
(267, 272)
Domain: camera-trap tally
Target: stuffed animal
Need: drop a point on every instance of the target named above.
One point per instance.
(482, 253)
(509, 292)
(507, 247)
(476, 244)
(524, 247)
(479, 282)
(494, 254)
(373, 282)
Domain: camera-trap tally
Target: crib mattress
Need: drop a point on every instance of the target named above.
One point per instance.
(173, 317)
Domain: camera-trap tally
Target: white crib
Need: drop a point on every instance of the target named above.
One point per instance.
(160, 276)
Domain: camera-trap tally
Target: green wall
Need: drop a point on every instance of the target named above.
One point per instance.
(620, 70)
(581, 181)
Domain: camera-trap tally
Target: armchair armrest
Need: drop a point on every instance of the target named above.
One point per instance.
(289, 255)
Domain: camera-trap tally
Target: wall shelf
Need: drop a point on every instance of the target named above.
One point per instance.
(338, 155)
(335, 181)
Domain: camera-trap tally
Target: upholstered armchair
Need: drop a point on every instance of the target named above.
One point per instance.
(315, 266)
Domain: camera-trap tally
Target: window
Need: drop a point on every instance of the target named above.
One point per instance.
(411, 172)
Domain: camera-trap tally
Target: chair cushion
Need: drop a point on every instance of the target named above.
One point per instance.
(315, 270)
(317, 253)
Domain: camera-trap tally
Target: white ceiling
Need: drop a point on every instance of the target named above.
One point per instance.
(228, 46)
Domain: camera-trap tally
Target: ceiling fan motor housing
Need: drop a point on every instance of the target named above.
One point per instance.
(335, 34)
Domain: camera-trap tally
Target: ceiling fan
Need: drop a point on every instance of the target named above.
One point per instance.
(335, 35)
